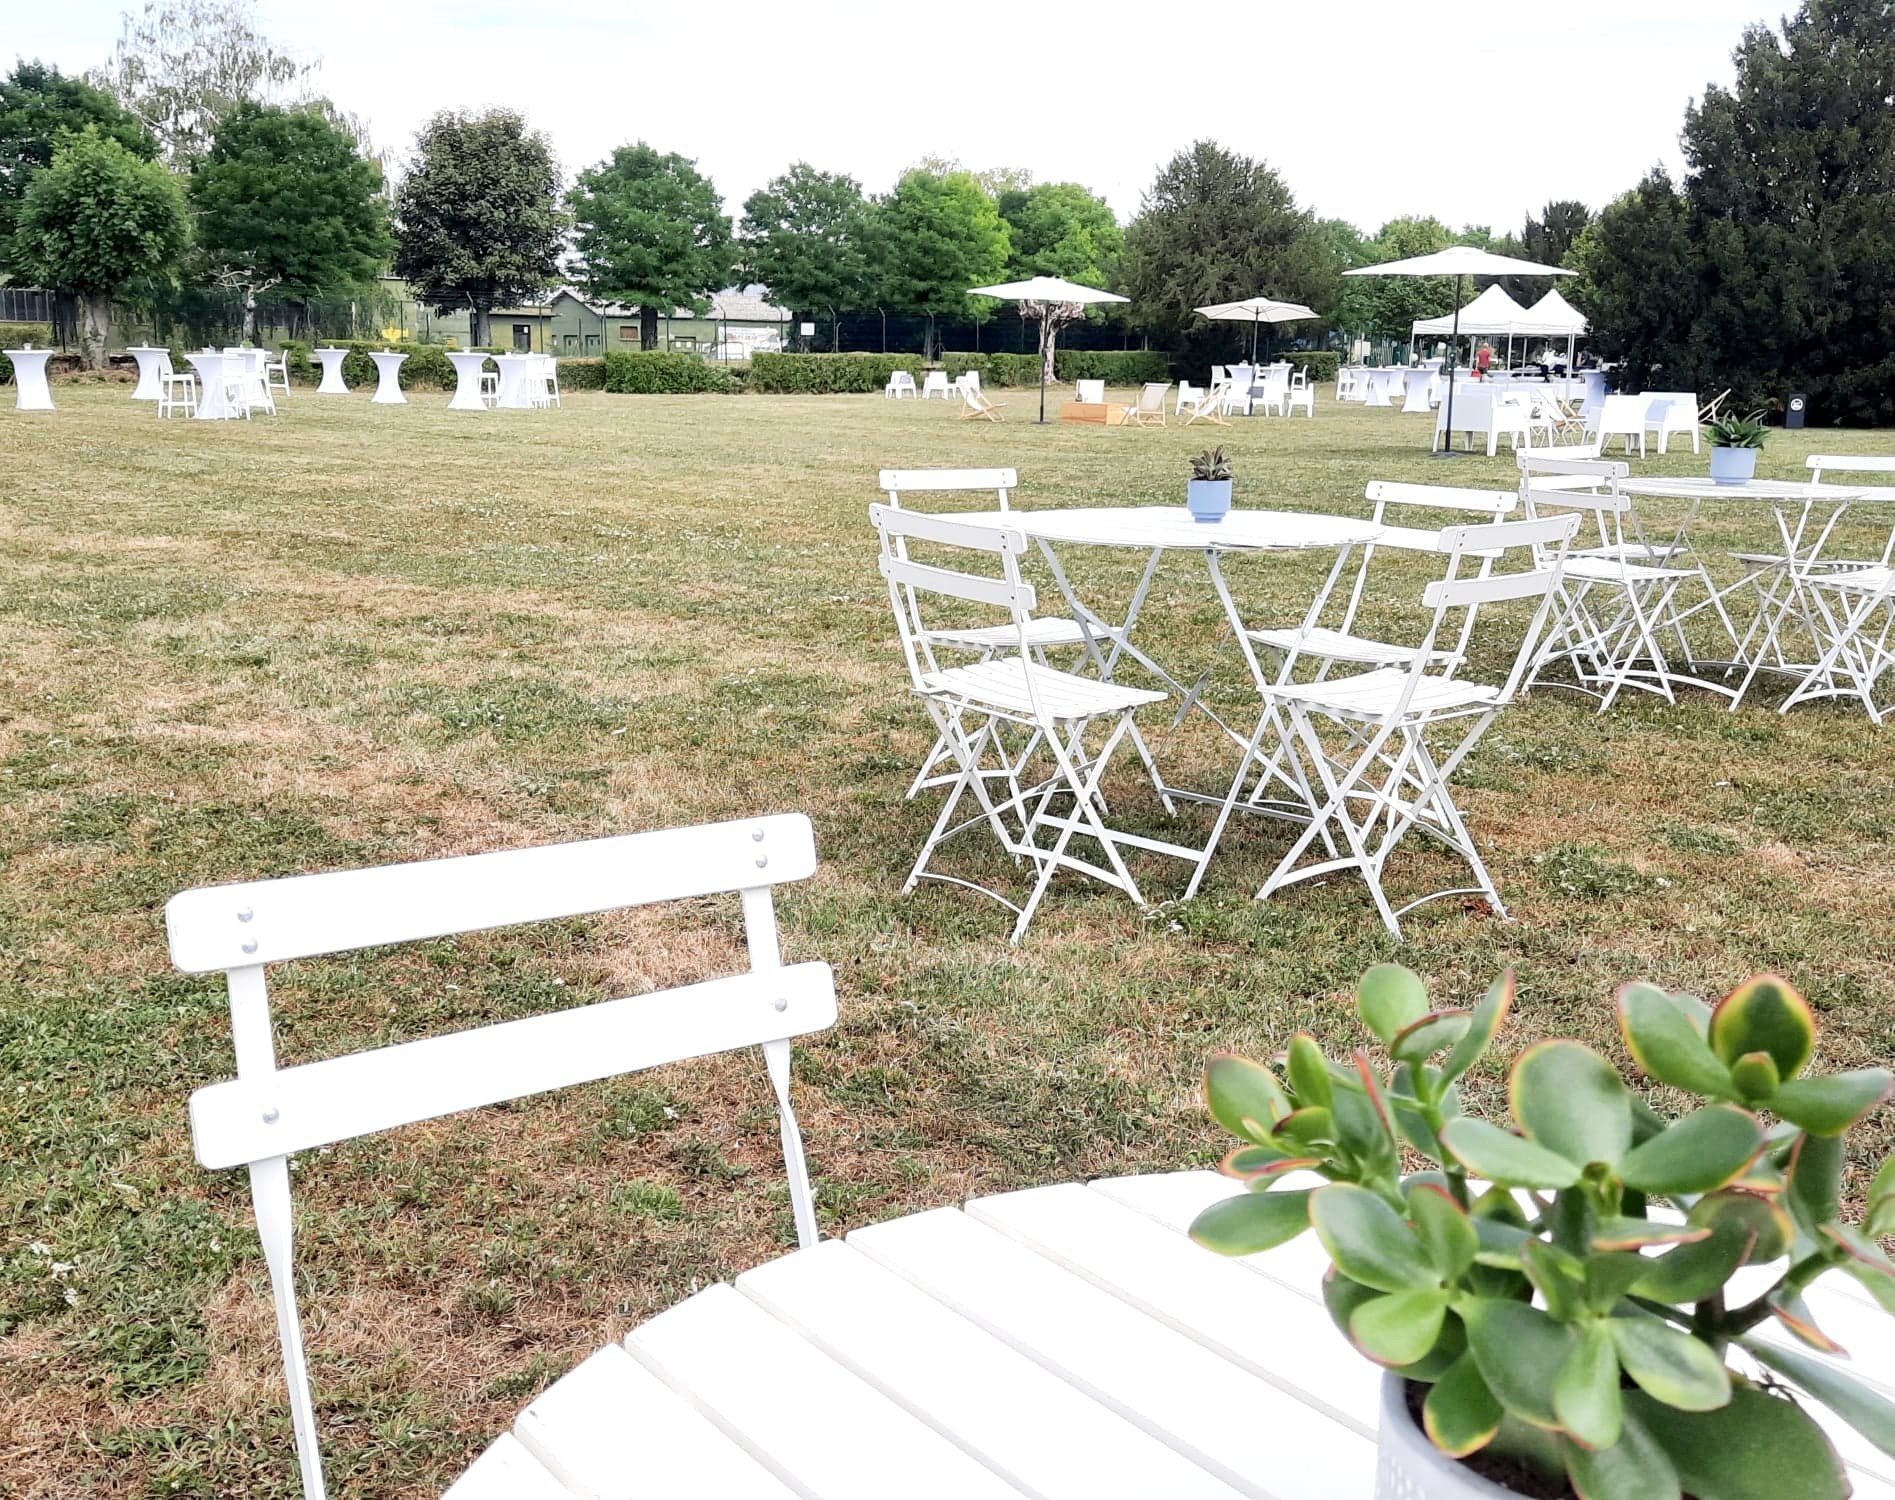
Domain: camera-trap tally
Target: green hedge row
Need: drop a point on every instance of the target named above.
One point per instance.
(994, 369)
(581, 374)
(1113, 366)
(827, 374)
(658, 372)
(1321, 364)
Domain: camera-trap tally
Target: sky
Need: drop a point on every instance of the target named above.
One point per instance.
(1477, 112)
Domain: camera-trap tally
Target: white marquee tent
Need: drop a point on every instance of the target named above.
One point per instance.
(1494, 313)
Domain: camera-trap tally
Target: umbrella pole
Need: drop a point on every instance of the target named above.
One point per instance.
(1447, 449)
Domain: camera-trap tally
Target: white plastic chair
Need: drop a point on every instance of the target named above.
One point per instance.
(489, 390)
(933, 383)
(900, 383)
(1668, 412)
(276, 373)
(970, 704)
(176, 393)
(1375, 751)
(268, 1114)
(1274, 392)
(547, 392)
(1301, 393)
(1618, 417)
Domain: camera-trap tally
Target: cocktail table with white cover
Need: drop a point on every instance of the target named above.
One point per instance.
(468, 369)
(214, 370)
(387, 378)
(331, 362)
(31, 392)
(153, 365)
(1064, 1342)
(1383, 384)
(517, 375)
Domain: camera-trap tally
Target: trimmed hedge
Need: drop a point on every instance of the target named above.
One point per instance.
(827, 374)
(581, 374)
(1113, 366)
(658, 372)
(994, 369)
(1321, 364)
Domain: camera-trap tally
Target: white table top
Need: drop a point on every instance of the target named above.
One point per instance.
(1065, 1342)
(1750, 489)
(1170, 526)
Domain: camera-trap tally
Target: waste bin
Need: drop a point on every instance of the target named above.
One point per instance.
(1794, 412)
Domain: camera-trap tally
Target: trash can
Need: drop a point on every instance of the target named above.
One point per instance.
(1794, 411)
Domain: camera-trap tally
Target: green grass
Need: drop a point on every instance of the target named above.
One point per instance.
(357, 633)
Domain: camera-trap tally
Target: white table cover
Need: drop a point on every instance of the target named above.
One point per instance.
(467, 372)
(30, 390)
(388, 379)
(151, 368)
(331, 362)
(213, 370)
(516, 379)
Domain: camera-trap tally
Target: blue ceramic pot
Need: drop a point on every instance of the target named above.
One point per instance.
(1208, 499)
(1733, 465)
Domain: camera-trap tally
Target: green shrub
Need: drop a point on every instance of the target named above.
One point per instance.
(827, 374)
(581, 375)
(994, 369)
(1321, 364)
(658, 372)
(17, 336)
(1113, 366)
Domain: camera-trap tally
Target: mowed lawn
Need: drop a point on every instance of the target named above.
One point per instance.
(356, 634)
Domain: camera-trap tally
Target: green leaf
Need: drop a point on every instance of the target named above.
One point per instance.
(1253, 1222)
(1487, 1020)
(1586, 1390)
(1703, 1151)
(1691, 1273)
(1254, 1161)
(1814, 1191)
(1674, 1367)
(1572, 1101)
(1633, 1468)
(1637, 1234)
(1244, 1097)
(1610, 1276)
(1460, 1415)
(1663, 1041)
(1755, 1077)
(1502, 1157)
(1871, 1414)
(1559, 1278)
(1756, 1220)
(1447, 1234)
(1415, 1128)
(1431, 1034)
(1793, 1313)
(1343, 1296)
(1368, 1240)
(1400, 1328)
(1759, 1447)
(1307, 1130)
(1389, 998)
(1309, 1073)
(1520, 1351)
(1862, 1251)
(1829, 1106)
(1500, 1244)
(1765, 1014)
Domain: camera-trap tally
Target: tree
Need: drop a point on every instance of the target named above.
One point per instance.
(650, 229)
(1061, 229)
(935, 236)
(805, 235)
(182, 65)
(1641, 283)
(95, 220)
(40, 109)
(1215, 227)
(477, 220)
(1551, 237)
(1386, 307)
(283, 200)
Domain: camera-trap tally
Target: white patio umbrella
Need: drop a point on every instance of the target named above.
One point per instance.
(1458, 261)
(1056, 302)
(1256, 311)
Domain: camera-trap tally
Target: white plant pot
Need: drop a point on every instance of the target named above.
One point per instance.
(1409, 1467)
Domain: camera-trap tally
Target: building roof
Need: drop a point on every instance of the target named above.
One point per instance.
(739, 305)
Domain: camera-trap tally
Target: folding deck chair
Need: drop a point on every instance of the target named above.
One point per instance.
(975, 403)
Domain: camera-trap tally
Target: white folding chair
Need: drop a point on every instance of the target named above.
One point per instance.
(1203, 406)
(489, 388)
(974, 402)
(1149, 409)
(1375, 751)
(267, 1114)
(1090, 392)
(1852, 618)
(1615, 604)
(970, 703)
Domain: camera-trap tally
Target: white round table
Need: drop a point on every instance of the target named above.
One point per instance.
(468, 369)
(331, 362)
(516, 371)
(388, 381)
(151, 369)
(1382, 385)
(213, 370)
(31, 392)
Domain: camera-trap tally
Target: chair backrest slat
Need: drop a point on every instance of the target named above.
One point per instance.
(897, 480)
(269, 921)
(969, 586)
(1442, 497)
(364, 1093)
(948, 530)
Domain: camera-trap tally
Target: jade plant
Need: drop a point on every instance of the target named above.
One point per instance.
(1582, 1294)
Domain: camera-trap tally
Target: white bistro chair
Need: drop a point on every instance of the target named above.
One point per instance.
(970, 704)
(268, 1114)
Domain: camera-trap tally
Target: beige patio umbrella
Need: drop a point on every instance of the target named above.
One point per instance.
(1056, 302)
(1256, 311)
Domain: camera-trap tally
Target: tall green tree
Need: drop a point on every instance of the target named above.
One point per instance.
(182, 65)
(1641, 282)
(649, 228)
(40, 109)
(935, 236)
(805, 238)
(1550, 237)
(1216, 226)
(477, 218)
(1061, 229)
(96, 220)
(283, 200)
(1385, 307)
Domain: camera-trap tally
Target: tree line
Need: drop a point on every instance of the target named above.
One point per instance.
(197, 156)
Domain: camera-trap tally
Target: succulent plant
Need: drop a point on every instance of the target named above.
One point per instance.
(1530, 1277)
(1737, 432)
(1211, 464)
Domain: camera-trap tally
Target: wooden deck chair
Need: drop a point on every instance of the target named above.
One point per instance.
(1204, 406)
(267, 1113)
(976, 403)
(1149, 409)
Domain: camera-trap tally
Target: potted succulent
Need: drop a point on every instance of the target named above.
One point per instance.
(1734, 445)
(1208, 494)
(1573, 1306)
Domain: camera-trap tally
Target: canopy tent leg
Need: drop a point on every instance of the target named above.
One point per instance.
(1446, 450)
